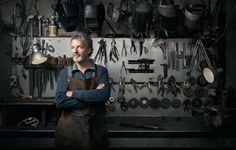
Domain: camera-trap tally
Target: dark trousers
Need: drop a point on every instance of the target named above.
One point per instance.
(83, 129)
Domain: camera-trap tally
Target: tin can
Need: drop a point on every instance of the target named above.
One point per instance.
(52, 30)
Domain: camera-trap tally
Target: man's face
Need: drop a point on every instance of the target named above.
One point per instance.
(79, 50)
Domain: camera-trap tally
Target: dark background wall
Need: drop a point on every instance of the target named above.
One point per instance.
(231, 43)
(5, 60)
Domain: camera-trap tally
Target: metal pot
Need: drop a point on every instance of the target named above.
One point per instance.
(194, 12)
(167, 10)
(141, 15)
(94, 16)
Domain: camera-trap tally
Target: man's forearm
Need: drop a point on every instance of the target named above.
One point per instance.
(64, 102)
(96, 95)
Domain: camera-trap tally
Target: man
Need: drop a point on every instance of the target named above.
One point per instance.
(82, 90)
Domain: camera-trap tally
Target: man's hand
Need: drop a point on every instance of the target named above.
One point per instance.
(69, 93)
(100, 86)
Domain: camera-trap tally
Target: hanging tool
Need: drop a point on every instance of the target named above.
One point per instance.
(184, 56)
(49, 48)
(123, 66)
(148, 84)
(199, 50)
(102, 52)
(13, 78)
(122, 86)
(177, 56)
(124, 49)
(141, 41)
(163, 46)
(145, 49)
(134, 84)
(165, 70)
(168, 56)
(172, 85)
(133, 47)
(160, 84)
(173, 61)
(114, 51)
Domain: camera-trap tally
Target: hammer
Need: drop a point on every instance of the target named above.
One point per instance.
(165, 69)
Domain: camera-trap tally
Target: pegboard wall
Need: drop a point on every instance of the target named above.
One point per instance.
(173, 52)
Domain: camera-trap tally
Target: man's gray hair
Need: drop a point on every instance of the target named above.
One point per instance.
(85, 38)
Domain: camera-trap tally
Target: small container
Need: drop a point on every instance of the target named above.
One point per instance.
(52, 27)
(45, 27)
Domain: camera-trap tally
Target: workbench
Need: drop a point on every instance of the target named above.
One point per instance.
(175, 132)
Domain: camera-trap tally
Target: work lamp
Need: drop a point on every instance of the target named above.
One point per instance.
(38, 57)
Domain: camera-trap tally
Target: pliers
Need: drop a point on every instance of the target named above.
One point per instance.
(123, 66)
(114, 51)
(133, 48)
(124, 49)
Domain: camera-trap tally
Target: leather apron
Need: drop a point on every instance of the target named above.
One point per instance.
(83, 128)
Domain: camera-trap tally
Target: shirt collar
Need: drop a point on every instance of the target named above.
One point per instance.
(91, 67)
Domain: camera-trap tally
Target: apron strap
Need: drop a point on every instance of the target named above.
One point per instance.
(69, 73)
(95, 71)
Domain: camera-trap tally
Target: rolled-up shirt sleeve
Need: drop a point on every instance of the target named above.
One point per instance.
(95, 95)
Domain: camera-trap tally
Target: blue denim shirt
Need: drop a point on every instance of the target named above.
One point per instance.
(81, 98)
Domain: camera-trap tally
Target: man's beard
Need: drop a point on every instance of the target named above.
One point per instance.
(77, 59)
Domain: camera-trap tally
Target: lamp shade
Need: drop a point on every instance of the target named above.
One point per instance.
(208, 75)
(212, 74)
(38, 57)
